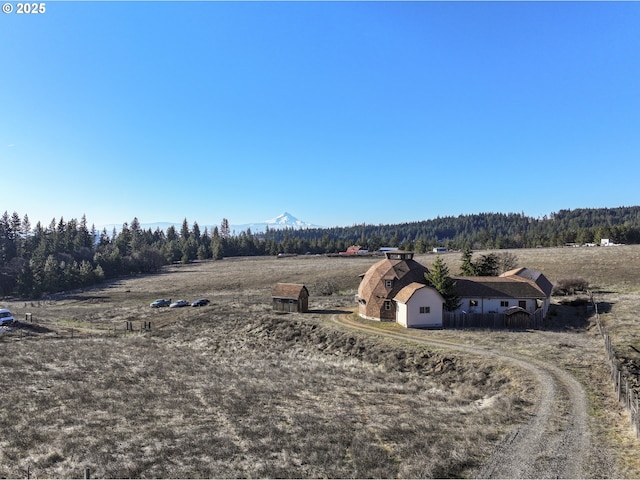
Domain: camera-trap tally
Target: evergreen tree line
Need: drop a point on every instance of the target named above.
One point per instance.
(479, 231)
(69, 254)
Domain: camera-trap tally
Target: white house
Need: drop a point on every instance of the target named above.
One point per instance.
(523, 287)
(541, 282)
(396, 289)
(418, 305)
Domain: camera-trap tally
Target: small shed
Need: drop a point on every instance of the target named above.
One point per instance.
(517, 317)
(290, 297)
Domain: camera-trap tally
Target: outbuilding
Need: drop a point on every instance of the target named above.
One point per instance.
(290, 297)
(419, 306)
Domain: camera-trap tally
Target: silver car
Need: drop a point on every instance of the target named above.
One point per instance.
(179, 303)
(6, 318)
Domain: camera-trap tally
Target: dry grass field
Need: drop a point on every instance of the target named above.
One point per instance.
(235, 390)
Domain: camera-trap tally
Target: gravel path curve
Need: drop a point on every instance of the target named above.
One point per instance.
(555, 443)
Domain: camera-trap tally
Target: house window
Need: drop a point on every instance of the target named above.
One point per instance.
(522, 304)
(504, 303)
(388, 283)
(387, 305)
(425, 309)
(473, 303)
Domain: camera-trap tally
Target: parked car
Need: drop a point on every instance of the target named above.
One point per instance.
(179, 303)
(201, 302)
(5, 317)
(161, 302)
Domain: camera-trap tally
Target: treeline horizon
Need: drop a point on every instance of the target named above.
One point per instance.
(69, 254)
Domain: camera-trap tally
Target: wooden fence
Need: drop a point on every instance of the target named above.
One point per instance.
(30, 327)
(625, 393)
(493, 320)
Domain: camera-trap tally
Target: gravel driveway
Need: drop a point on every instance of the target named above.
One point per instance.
(556, 442)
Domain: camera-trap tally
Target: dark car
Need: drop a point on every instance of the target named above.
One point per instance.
(161, 302)
(201, 302)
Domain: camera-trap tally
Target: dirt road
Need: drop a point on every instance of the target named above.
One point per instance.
(555, 443)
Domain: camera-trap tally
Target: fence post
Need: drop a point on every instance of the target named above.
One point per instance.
(619, 384)
(637, 418)
(87, 473)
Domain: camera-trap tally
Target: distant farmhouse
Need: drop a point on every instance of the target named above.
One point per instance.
(395, 289)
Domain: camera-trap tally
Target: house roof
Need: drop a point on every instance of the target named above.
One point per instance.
(532, 275)
(407, 271)
(373, 289)
(407, 292)
(496, 287)
(289, 290)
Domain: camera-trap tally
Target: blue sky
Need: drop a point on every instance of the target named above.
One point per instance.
(338, 112)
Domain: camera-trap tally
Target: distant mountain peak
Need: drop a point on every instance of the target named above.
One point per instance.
(284, 220)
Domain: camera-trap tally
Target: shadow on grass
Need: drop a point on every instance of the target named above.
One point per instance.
(330, 312)
(604, 307)
(87, 298)
(30, 327)
(573, 315)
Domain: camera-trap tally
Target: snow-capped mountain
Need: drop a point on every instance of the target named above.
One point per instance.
(284, 220)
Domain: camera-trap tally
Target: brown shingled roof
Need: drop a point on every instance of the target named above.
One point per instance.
(289, 290)
(496, 287)
(372, 288)
(407, 292)
(531, 275)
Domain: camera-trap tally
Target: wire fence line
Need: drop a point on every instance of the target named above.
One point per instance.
(36, 328)
(623, 389)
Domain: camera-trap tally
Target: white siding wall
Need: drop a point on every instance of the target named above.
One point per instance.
(493, 305)
(408, 314)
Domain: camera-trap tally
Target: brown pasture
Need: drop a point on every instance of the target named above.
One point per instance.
(233, 389)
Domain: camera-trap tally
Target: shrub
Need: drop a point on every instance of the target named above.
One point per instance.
(326, 288)
(569, 286)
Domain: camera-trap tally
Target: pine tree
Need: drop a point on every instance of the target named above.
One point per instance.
(217, 248)
(225, 230)
(184, 230)
(488, 266)
(467, 267)
(439, 278)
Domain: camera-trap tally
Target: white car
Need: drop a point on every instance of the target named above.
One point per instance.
(179, 303)
(5, 317)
